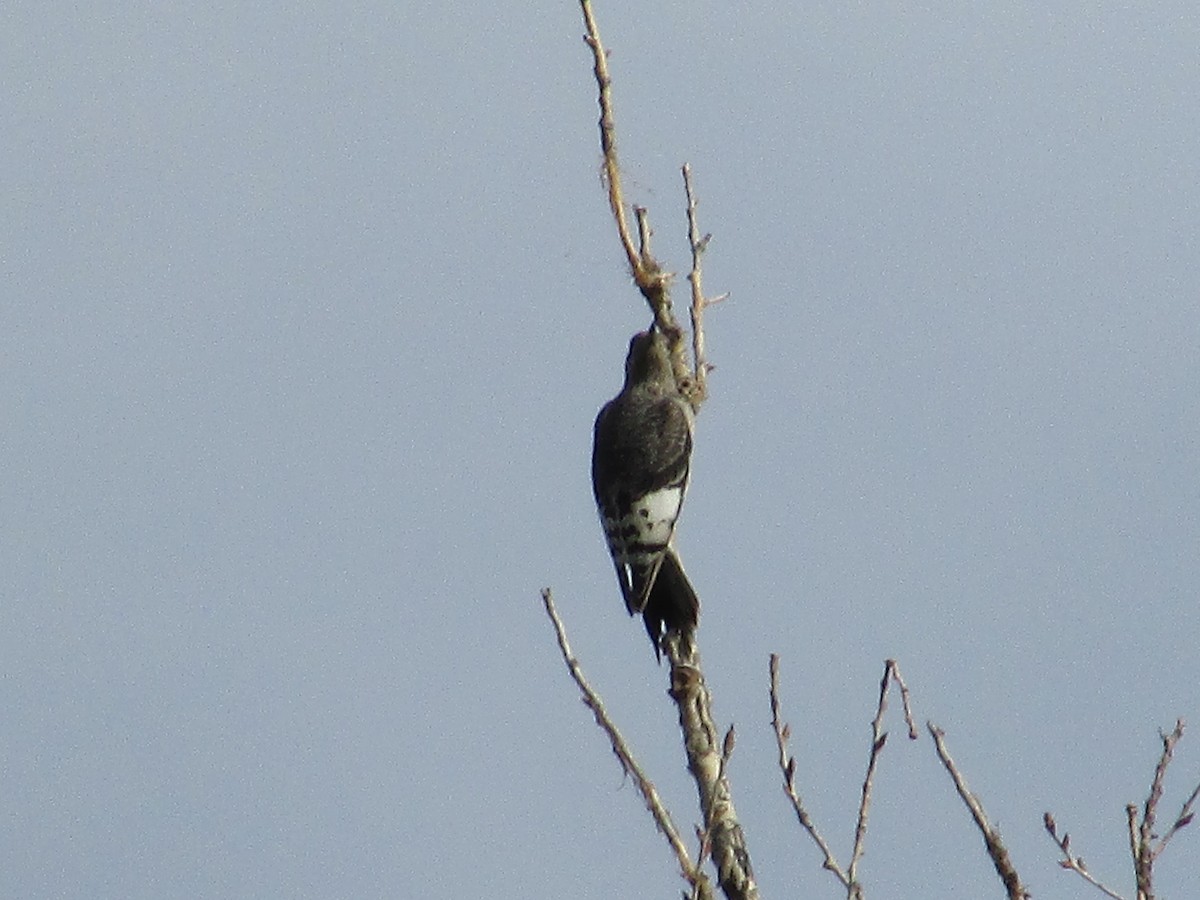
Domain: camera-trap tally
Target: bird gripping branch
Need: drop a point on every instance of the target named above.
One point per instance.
(641, 460)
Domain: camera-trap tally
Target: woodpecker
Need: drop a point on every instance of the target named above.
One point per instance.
(641, 459)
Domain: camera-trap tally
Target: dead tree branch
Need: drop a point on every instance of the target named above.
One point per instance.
(708, 755)
(653, 282)
(608, 142)
(647, 274)
(1144, 843)
(787, 763)
(1145, 846)
(878, 739)
(699, 302)
(662, 819)
(1074, 863)
(991, 837)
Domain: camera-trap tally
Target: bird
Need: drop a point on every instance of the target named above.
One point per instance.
(641, 462)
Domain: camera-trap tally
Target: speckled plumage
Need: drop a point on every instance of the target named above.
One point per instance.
(640, 466)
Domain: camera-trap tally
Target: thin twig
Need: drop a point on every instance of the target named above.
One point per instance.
(904, 699)
(1131, 819)
(662, 818)
(878, 740)
(991, 838)
(1074, 863)
(644, 232)
(787, 765)
(1185, 817)
(695, 278)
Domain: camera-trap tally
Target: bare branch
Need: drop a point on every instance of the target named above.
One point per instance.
(707, 758)
(991, 838)
(787, 765)
(1143, 862)
(1185, 817)
(1074, 863)
(708, 755)
(662, 819)
(644, 232)
(1144, 843)
(1131, 818)
(878, 740)
(705, 834)
(904, 699)
(651, 281)
(698, 245)
(608, 135)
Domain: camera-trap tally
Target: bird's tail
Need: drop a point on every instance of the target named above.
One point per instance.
(672, 607)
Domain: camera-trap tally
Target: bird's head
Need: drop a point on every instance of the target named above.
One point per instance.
(648, 361)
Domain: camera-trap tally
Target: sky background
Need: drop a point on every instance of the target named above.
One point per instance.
(306, 310)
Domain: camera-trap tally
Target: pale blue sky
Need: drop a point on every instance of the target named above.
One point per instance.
(306, 313)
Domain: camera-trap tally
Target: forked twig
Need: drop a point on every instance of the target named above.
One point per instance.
(878, 739)
(1074, 863)
(651, 280)
(787, 764)
(1144, 843)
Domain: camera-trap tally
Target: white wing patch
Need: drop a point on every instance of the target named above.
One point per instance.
(654, 515)
(639, 539)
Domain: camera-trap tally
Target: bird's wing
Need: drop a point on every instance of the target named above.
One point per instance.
(640, 470)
